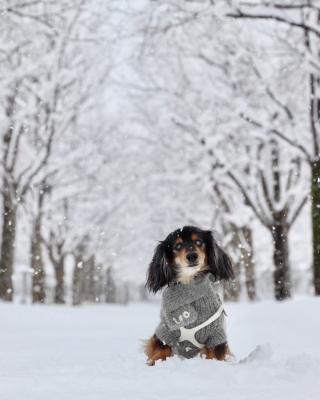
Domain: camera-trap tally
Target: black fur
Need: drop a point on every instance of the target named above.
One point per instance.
(160, 272)
(162, 269)
(219, 262)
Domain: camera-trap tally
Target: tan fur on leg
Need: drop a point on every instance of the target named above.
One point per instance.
(156, 350)
(219, 352)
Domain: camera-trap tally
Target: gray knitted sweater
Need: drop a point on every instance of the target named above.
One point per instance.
(186, 306)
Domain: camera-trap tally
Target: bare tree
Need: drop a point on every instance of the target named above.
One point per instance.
(32, 123)
(303, 18)
(110, 289)
(78, 274)
(239, 239)
(239, 139)
(37, 263)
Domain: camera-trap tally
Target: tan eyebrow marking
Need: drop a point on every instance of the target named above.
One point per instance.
(194, 237)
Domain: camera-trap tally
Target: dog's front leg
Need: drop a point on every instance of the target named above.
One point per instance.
(156, 350)
(219, 352)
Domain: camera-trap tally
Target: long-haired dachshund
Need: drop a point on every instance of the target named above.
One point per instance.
(190, 264)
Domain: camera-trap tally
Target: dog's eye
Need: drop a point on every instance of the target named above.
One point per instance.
(178, 246)
(199, 242)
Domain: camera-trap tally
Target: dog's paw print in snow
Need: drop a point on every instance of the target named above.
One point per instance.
(262, 352)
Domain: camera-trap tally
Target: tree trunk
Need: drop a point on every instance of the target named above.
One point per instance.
(25, 287)
(242, 240)
(78, 281)
(90, 280)
(38, 273)
(111, 290)
(232, 289)
(313, 45)
(7, 245)
(282, 285)
(99, 283)
(59, 289)
(248, 262)
(315, 209)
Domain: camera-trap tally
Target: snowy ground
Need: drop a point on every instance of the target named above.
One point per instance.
(93, 353)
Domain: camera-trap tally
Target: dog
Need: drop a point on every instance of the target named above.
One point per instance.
(189, 264)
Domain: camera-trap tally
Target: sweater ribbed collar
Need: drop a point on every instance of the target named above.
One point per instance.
(179, 294)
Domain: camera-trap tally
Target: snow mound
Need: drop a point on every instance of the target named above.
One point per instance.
(260, 353)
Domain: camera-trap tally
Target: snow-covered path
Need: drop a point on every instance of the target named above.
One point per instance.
(93, 353)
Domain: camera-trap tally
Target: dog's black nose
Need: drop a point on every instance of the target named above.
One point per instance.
(192, 257)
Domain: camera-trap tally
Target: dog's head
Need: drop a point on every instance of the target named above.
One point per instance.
(184, 254)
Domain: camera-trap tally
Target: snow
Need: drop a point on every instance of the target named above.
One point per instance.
(94, 352)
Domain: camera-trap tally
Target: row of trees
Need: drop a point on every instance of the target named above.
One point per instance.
(90, 283)
(54, 59)
(302, 18)
(40, 102)
(220, 129)
(242, 95)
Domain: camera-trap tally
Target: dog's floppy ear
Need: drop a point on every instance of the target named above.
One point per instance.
(218, 261)
(160, 273)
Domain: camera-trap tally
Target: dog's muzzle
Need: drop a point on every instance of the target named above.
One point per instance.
(192, 258)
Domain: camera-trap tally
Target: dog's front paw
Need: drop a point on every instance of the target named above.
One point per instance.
(156, 350)
(220, 352)
(150, 362)
(207, 353)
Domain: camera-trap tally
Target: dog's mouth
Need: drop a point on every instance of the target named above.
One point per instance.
(193, 264)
